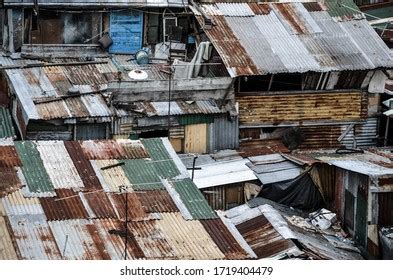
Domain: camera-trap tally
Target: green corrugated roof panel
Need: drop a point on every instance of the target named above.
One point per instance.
(142, 174)
(193, 199)
(6, 127)
(33, 168)
(342, 8)
(162, 161)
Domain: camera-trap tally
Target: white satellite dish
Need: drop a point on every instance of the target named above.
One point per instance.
(138, 74)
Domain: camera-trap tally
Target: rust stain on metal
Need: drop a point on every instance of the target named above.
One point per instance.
(153, 248)
(52, 110)
(85, 170)
(112, 149)
(135, 210)
(262, 147)
(113, 234)
(9, 181)
(289, 14)
(264, 240)
(66, 205)
(313, 7)
(100, 204)
(9, 157)
(156, 201)
(229, 47)
(260, 8)
(224, 239)
(85, 75)
(281, 108)
(98, 242)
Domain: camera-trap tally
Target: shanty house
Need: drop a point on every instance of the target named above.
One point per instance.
(106, 74)
(358, 187)
(307, 74)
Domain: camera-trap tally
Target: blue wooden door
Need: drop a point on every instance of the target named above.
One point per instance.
(126, 31)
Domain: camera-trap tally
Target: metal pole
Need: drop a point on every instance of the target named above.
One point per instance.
(125, 243)
(169, 88)
(385, 142)
(193, 167)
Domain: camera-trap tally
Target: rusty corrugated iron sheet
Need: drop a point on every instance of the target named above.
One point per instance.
(65, 205)
(156, 201)
(227, 45)
(34, 238)
(153, 248)
(135, 210)
(9, 157)
(85, 170)
(291, 37)
(188, 239)
(7, 250)
(264, 240)
(287, 108)
(262, 147)
(78, 240)
(113, 149)
(9, 180)
(112, 232)
(224, 239)
(99, 204)
(178, 108)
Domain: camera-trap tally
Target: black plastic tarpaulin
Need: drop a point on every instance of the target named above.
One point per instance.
(300, 193)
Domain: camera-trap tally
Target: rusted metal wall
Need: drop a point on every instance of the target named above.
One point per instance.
(302, 107)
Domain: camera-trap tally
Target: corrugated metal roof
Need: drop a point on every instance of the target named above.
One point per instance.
(9, 180)
(224, 239)
(370, 164)
(273, 168)
(6, 127)
(142, 174)
(100, 3)
(193, 199)
(85, 170)
(38, 180)
(114, 243)
(78, 240)
(135, 210)
(88, 223)
(178, 108)
(66, 205)
(43, 91)
(188, 239)
(59, 166)
(34, 238)
(9, 157)
(157, 247)
(99, 204)
(111, 178)
(7, 250)
(113, 149)
(16, 204)
(223, 173)
(156, 201)
(292, 37)
(265, 241)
